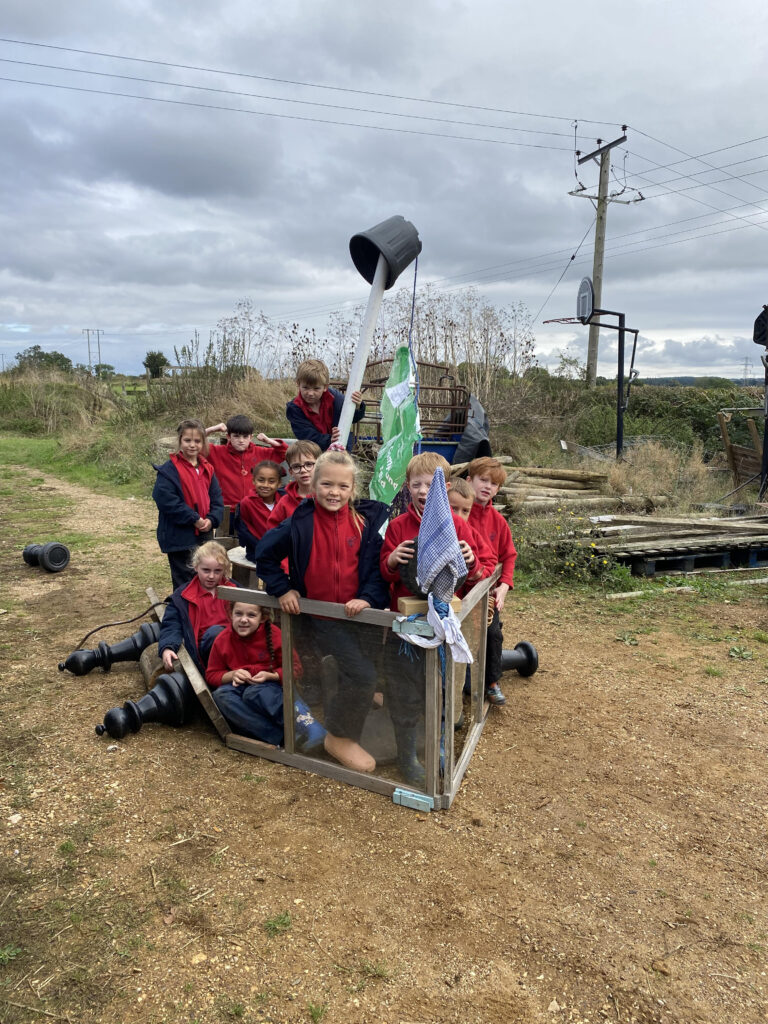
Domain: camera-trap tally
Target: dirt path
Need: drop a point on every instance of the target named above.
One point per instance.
(604, 860)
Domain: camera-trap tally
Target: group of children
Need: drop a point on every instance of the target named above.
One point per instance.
(315, 539)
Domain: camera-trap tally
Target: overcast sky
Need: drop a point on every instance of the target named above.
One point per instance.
(148, 218)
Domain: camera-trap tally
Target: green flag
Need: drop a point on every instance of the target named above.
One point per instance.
(400, 428)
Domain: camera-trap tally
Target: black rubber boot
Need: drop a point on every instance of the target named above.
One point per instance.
(409, 766)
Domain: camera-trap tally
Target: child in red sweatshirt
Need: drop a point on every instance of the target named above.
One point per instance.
(245, 672)
(485, 476)
(301, 458)
(256, 508)
(233, 462)
(405, 675)
(332, 545)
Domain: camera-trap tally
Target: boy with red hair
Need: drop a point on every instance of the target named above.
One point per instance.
(486, 475)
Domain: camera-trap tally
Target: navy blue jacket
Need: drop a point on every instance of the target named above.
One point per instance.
(292, 539)
(304, 430)
(175, 519)
(176, 627)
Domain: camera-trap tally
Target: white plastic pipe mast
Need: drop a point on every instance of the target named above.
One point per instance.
(363, 349)
(380, 254)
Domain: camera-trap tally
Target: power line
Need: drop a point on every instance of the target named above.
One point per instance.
(280, 99)
(291, 117)
(307, 85)
(565, 269)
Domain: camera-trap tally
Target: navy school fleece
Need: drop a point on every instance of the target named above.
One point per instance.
(175, 519)
(303, 430)
(292, 539)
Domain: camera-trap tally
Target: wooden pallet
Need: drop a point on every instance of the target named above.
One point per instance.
(678, 545)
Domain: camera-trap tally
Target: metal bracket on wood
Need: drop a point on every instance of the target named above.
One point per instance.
(418, 801)
(414, 627)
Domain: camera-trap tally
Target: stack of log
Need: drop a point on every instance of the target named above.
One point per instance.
(537, 489)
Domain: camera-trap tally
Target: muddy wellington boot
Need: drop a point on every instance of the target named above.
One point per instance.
(408, 764)
(309, 733)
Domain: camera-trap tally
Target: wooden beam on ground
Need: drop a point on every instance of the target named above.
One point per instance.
(203, 693)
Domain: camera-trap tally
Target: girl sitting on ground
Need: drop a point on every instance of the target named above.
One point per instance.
(246, 674)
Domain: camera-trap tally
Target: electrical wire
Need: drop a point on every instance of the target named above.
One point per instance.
(565, 269)
(280, 99)
(290, 117)
(289, 81)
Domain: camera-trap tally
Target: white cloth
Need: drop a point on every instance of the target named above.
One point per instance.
(447, 630)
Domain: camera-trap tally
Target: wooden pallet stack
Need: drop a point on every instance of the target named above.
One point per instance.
(673, 545)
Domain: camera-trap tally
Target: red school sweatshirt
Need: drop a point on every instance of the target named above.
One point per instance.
(494, 529)
(233, 469)
(231, 651)
(406, 527)
(332, 573)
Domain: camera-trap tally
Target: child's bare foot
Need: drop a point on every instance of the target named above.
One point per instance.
(378, 699)
(349, 753)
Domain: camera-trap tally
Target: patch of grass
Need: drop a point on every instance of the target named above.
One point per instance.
(278, 924)
(67, 848)
(713, 670)
(251, 777)
(760, 636)
(317, 1011)
(628, 638)
(8, 953)
(652, 862)
(369, 969)
(229, 1009)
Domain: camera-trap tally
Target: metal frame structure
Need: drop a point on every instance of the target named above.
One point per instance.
(441, 787)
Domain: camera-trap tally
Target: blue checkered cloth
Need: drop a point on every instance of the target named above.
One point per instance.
(440, 563)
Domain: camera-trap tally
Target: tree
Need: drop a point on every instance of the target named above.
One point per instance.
(103, 371)
(34, 358)
(155, 363)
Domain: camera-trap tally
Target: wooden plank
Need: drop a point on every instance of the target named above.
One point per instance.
(159, 610)
(723, 423)
(326, 609)
(327, 769)
(203, 693)
(757, 441)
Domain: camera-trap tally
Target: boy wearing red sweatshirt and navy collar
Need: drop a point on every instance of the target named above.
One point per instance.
(485, 476)
(233, 462)
(332, 548)
(315, 412)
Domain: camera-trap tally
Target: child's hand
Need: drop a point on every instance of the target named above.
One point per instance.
(355, 606)
(402, 554)
(264, 676)
(334, 434)
(268, 440)
(289, 602)
(467, 552)
(169, 657)
(203, 525)
(241, 676)
(356, 397)
(500, 594)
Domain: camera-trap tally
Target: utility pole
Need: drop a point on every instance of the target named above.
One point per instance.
(88, 331)
(601, 200)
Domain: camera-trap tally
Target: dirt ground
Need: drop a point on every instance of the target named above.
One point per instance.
(605, 859)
